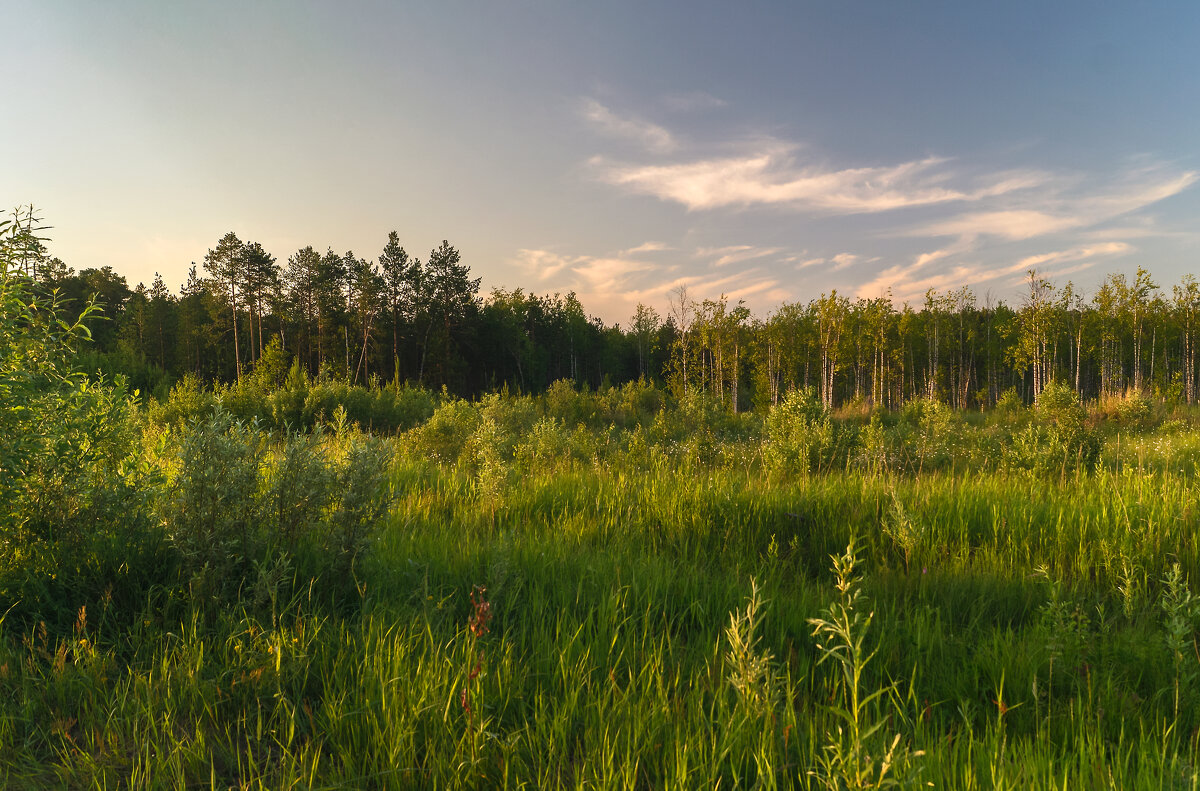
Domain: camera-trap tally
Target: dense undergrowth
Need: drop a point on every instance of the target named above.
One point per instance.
(297, 583)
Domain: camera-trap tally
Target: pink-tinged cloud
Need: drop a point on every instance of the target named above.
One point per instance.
(908, 282)
(581, 272)
(542, 264)
(733, 254)
(647, 247)
(1055, 211)
(608, 274)
(771, 177)
(1012, 224)
(1074, 254)
(843, 260)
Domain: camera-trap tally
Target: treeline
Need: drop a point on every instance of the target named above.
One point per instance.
(400, 319)
(397, 318)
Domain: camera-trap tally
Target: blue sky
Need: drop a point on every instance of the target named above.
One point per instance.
(768, 151)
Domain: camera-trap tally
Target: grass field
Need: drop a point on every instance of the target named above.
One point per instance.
(586, 591)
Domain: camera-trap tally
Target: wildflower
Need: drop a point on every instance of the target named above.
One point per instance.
(482, 611)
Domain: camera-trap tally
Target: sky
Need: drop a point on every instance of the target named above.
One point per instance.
(767, 151)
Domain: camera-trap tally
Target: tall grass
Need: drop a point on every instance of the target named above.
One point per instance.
(617, 602)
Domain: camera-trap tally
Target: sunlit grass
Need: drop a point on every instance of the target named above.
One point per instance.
(1018, 636)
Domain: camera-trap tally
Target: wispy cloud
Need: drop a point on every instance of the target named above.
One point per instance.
(608, 275)
(1058, 209)
(1043, 260)
(581, 272)
(756, 288)
(909, 281)
(1009, 204)
(978, 222)
(613, 285)
(647, 247)
(723, 256)
(1010, 224)
(1136, 189)
(836, 262)
(646, 134)
(844, 260)
(739, 285)
(772, 178)
(542, 264)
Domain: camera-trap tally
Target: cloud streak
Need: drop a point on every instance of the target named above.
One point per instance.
(910, 281)
(771, 176)
(647, 247)
(1059, 210)
(614, 284)
(592, 274)
(723, 256)
(648, 135)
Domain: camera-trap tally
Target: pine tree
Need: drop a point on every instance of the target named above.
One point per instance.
(224, 264)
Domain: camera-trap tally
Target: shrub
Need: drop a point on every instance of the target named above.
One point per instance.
(61, 434)
(801, 435)
(566, 403)
(444, 436)
(362, 497)
(1131, 410)
(1059, 405)
(187, 401)
(547, 445)
(1134, 409)
(935, 431)
(211, 510)
(634, 403)
(287, 403)
(1010, 402)
(299, 486)
(1058, 440)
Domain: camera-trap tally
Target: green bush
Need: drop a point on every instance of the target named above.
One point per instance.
(188, 400)
(569, 405)
(444, 436)
(240, 504)
(932, 434)
(361, 498)
(72, 514)
(1059, 439)
(1134, 410)
(802, 436)
(1010, 402)
(211, 510)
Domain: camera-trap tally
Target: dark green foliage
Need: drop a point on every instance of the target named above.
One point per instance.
(298, 403)
(239, 502)
(399, 320)
(210, 510)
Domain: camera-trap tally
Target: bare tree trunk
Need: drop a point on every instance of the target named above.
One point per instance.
(237, 355)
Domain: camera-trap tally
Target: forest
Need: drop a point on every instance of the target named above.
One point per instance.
(398, 319)
(349, 524)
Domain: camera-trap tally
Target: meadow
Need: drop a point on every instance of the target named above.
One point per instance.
(325, 586)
